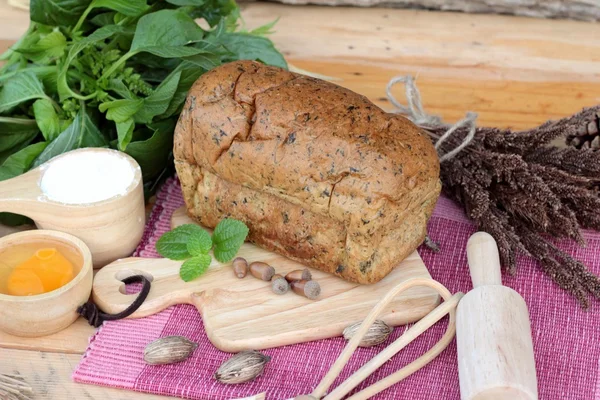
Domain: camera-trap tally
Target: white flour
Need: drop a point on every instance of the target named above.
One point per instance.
(84, 177)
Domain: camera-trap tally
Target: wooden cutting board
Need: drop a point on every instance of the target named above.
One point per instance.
(244, 313)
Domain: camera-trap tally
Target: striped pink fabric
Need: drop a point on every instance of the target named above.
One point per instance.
(566, 338)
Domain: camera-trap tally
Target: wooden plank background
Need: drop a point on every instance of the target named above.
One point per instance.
(514, 71)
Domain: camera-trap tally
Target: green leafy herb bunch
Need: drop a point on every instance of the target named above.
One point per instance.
(113, 73)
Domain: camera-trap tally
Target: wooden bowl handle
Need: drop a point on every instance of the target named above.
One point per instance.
(484, 260)
(20, 195)
(108, 291)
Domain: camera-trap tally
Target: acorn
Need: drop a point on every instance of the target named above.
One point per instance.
(308, 289)
(279, 284)
(262, 271)
(240, 267)
(299, 275)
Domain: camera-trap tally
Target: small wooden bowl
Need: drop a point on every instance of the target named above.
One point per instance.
(44, 314)
(111, 228)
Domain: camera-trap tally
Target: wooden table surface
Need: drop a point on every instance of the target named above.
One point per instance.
(515, 72)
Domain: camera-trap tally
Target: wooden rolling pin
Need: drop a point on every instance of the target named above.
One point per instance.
(493, 333)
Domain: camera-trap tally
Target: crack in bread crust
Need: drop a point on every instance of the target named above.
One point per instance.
(304, 145)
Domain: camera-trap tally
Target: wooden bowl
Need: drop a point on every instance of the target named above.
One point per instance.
(111, 228)
(47, 313)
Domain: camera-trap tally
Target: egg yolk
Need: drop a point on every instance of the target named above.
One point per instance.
(45, 271)
(24, 283)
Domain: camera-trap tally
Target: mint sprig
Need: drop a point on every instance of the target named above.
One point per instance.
(192, 243)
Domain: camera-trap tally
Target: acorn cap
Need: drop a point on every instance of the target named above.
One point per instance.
(279, 284)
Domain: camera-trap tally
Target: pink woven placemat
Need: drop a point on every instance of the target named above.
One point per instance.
(566, 338)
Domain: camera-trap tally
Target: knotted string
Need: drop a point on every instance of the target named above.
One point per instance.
(96, 317)
(414, 112)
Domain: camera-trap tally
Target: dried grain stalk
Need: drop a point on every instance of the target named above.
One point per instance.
(587, 136)
(14, 387)
(523, 190)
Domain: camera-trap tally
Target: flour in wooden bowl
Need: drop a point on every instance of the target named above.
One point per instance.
(87, 177)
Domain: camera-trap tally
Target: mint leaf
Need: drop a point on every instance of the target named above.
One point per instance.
(200, 243)
(173, 244)
(194, 267)
(228, 237)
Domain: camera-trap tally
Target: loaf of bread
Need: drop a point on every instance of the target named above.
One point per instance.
(317, 172)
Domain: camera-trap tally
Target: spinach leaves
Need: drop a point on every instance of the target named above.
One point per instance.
(94, 73)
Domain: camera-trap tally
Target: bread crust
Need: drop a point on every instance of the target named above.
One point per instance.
(317, 172)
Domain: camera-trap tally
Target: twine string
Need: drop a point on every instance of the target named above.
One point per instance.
(414, 111)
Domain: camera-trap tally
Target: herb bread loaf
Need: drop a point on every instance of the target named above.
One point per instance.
(317, 172)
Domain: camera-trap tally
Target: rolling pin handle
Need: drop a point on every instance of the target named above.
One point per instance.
(484, 260)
